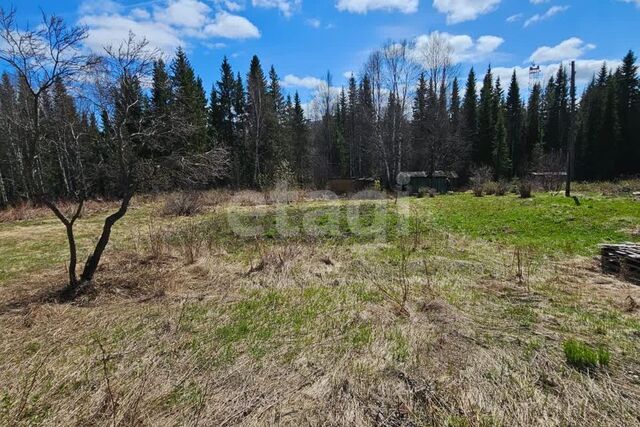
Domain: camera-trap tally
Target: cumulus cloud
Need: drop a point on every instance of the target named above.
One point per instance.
(553, 11)
(464, 47)
(183, 13)
(231, 26)
(167, 24)
(308, 82)
(464, 10)
(364, 6)
(572, 48)
(287, 7)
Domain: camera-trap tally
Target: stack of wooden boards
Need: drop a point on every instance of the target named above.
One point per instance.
(622, 260)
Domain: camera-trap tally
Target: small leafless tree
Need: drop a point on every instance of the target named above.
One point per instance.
(112, 84)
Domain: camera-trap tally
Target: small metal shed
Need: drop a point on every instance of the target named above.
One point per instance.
(412, 182)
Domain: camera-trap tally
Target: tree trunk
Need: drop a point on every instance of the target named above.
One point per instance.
(93, 261)
(73, 250)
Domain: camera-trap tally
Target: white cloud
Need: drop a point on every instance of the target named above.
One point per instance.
(364, 6)
(636, 2)
(291, 80)
(464, 10)
(539, 1)
(166, 24)
(554, 10)
(105, 30)
(572, 48)
(515, 18)
(231, 26)
(313, 22)
(287, 7)
(183, 13)
(465, 48)
(348, 74)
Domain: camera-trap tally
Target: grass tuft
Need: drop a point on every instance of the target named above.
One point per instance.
(581, 356)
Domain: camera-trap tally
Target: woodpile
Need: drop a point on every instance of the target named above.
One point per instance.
(622, 260)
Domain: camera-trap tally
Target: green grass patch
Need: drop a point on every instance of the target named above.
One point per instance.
(547, 223)
(581, 356)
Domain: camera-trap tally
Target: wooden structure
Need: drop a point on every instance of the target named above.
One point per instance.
(411, 183)
(622, 260)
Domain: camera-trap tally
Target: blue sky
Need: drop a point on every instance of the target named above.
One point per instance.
(305, 38)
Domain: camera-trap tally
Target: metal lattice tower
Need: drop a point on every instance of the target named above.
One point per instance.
(535, 76)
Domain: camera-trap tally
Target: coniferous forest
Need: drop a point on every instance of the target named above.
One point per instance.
(405, 111)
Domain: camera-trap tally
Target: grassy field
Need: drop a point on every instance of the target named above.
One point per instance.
(452, 310)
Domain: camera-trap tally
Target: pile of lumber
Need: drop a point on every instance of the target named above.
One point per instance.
(622, 260)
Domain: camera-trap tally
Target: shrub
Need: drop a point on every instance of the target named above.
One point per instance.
(183, 204)
(491, 188)
(525, 188)
(502, 188)
(427, 192)
(581, 356)
(479, 178)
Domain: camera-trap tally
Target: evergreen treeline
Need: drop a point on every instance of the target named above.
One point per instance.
(361, 132)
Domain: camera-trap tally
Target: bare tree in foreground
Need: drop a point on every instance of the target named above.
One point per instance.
(54, 53)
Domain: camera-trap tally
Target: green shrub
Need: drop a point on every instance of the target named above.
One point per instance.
(582, 356)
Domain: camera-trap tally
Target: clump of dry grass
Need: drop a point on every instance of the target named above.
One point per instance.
(183, 204)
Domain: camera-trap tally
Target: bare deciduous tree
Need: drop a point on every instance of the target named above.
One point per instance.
(113, 86)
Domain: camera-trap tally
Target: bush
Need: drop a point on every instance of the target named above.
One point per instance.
(491, 188)
(525, 188)
(581, 356)
(479, 178)
(183, 204)
(427, 192)
(502, 188)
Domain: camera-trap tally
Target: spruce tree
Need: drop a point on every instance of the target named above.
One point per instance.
(486, 124)
(470, 118)
(628, 100)
(258, 109)
(533, 136)
(514, 127)
(188, 104)
(501, 160)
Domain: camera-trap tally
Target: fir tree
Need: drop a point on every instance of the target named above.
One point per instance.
(514, 122)
(486, 123)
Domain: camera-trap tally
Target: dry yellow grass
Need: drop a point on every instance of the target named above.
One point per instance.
(277, 332)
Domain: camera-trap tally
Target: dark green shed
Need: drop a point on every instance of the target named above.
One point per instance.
(412, 183)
